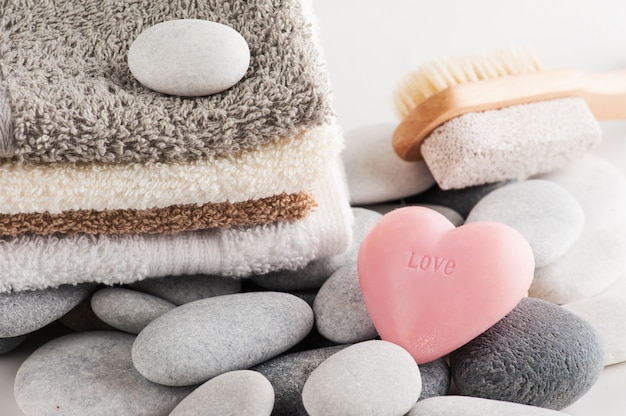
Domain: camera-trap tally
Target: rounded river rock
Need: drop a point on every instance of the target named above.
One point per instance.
(203, 339)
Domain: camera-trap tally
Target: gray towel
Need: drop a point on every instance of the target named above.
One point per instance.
(70, 97)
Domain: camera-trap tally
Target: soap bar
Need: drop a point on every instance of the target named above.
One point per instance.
(189, 57)
(430, 287)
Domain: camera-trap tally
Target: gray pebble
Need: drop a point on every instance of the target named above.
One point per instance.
(545, 213)
(90, 373)
(340, 312)
(460, 200)
(189, 57)
(202, 339)
(126, 309)
(374, 172)
(288, 373)
(539, 354)
(9, 344)
(368, 378)
(240, 393)
(188, 288)
(591, 265)
(435, 378)
(314, 274)
(27, 311)
(476, 406)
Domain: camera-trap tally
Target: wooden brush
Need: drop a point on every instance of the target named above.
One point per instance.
(443, 90)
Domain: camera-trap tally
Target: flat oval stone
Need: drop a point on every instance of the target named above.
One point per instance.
(539, 354)
(543, 212)
(598, 186)
(594, 263)
(24, 312)
(340, 312)
(374, 171)
(476, 406)
(128, 310)
(90, 373)
(314, 274)
(368, 378)
(188, 288)
(189, 57)
(203, 339)
(288, 373)
(241, 393)
(607, 315)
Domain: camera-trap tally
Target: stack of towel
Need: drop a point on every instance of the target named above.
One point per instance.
(104, 180)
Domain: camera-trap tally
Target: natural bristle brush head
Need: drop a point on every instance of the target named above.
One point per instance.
(439, 74)
(491, 117)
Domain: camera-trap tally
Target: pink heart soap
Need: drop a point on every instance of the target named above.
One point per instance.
(430, 287)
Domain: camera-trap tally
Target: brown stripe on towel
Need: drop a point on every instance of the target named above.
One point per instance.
(170, 219)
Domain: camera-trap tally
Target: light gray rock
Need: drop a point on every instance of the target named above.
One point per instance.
(314, 274)
(542, 211)
(126, 309)
(607, 314)
(594, 263)
(189, 57)
(598, 186)
(27, 311)
(203, 339)
(340, 312)
(368, 378)
(184, 289)
(539, 354)
(476, 406)
(241, 393)
(375, 173)
(9, 344)
(435, 378)
(288, 373)
(90, 373)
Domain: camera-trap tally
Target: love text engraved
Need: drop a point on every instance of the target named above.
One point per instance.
(435, 264)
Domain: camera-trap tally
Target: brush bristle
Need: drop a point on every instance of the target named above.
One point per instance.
(441, 74)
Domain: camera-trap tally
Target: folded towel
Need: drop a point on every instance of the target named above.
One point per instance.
(37, 262)
(172, 219)
(66, 88)
(286, 166)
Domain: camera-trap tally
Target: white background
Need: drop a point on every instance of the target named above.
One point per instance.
(371, 44)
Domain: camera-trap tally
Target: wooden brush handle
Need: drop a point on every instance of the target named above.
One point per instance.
(605, 94)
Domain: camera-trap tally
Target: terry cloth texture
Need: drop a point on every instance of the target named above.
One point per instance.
(171, 219)
(286, 166)
(73, 99)
(37, 262)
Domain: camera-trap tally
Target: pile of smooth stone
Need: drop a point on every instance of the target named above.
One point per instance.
(302, 342)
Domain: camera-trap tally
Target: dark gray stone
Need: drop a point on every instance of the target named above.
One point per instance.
(24, 312)
(340, 312)
(288, 373)
(202, 339)
(184, 289)
(128, 310)
(435, 378)
(314, 274)
(539, 354)
(240, 393)
(90, 373)
(9, 344)
(81, 318)
(460, 200)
